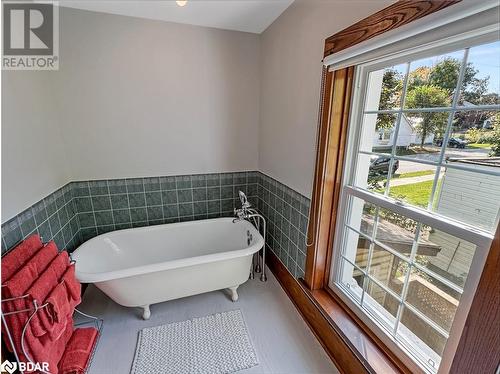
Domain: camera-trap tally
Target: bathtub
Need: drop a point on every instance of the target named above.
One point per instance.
(143, 266)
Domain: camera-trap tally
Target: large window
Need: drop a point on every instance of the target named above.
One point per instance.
(421, 195)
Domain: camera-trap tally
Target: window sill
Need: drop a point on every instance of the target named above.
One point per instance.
(373, 354)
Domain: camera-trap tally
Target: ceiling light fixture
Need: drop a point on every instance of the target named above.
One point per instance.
(181, 2)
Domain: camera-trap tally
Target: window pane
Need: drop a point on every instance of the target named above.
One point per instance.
(356, 248)
(445, 254)
(371, 172)
(429, 343)
(388, 269)
(396, 231)
(414, 190)
(433, 81)
(380, 303)
(481, 83)
(432, 298)
(420, 134)
(385, 88)
(472, 135)
(378, 133)
(352, 279)
(412, 183)
(471, 197)
(362, 216)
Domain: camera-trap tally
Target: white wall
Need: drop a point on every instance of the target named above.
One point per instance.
(33, 159)
(291, 54)
(139, 97)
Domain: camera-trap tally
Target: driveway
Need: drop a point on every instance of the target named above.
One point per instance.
(408, 166)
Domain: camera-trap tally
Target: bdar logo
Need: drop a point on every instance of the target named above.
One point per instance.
(11, 367)
(8, 367)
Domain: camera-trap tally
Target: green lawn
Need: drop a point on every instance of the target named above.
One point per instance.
(414, 174)
(414, 193)
(479, 145)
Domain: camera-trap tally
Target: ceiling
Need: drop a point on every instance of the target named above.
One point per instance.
(242, 15)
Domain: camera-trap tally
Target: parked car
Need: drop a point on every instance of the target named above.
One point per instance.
(452, 143)
(380, 165)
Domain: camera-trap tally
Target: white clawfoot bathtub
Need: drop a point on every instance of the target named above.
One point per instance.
(143, 266)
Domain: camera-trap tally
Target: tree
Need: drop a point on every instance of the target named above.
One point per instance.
(428, 96)
(389, 98)
(495, 146)
(419, 77)
(445, 75)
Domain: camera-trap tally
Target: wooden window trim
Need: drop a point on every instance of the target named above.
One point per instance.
(328, 174)
(477, 337)
(396, 15)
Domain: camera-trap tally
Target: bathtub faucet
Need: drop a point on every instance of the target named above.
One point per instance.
(252, 215)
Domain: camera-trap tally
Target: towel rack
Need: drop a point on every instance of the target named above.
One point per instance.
(97, 322)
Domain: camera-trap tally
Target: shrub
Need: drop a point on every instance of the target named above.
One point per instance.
(472, 135)
(495, 143)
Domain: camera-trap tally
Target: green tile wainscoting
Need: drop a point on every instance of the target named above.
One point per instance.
(81, 210)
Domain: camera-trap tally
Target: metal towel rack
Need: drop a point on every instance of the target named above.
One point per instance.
(97, 322)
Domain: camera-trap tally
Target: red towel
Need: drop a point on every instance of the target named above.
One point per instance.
(17, 286)
(40, 289)
(58, 315)
(64, 297)
(73, 286)
(77, 354)
(16, 258)
(44, 349)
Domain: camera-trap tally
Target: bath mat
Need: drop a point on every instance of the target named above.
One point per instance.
(216, 344)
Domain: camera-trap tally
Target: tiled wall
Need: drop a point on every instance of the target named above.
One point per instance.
(82, 210)
(53, 217)
(104, 206)
(286, 213)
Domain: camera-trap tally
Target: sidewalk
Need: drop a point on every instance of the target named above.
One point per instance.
(411, 180)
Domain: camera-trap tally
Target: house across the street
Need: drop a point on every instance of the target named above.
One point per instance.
(407, 136)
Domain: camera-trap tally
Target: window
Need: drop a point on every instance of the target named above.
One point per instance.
(419, 207)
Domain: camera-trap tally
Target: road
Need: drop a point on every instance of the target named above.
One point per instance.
(408, 166)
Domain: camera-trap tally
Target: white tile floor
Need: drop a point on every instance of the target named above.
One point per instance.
(283, 341)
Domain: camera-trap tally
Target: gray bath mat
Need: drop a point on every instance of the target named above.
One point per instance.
(215, 344)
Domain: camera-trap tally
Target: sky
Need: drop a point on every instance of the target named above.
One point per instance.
(485, 58)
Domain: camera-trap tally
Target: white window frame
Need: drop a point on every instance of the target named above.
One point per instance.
(466, 232)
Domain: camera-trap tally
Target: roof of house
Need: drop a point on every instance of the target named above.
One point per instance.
(399, 238)
(485, 161)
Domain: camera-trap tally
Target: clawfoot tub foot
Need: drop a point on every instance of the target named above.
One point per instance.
(146, 312)
(234, 293)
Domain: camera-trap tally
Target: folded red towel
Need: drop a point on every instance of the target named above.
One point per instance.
(18, 256)
(44, 349)
(77, 354)
(64, 297)
(18, 285)
(73, 286)
(40, 289)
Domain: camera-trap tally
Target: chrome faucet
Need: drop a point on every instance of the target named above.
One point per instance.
(246, 212)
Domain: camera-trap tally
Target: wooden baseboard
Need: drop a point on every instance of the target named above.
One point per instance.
(342, 352)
